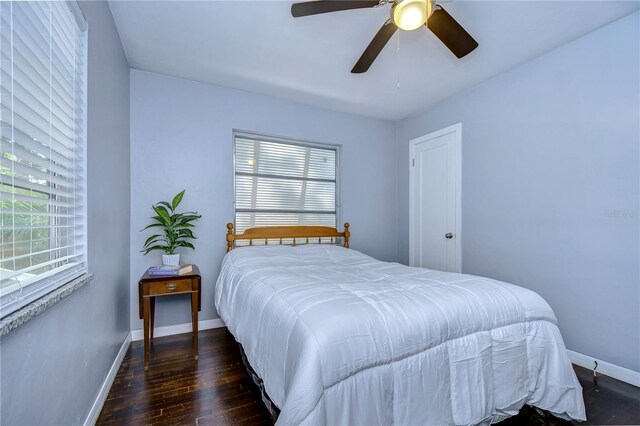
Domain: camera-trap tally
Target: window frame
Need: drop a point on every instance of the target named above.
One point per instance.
(289, 141)
(15, 307)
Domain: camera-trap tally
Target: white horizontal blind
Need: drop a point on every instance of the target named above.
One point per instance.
(42, 142)
(283, 183)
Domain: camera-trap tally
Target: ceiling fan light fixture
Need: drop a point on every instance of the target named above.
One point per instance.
(409, 15)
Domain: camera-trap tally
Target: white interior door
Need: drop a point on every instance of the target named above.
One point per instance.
(435, 161)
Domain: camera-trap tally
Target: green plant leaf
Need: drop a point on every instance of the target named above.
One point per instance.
(177, 199)
(164, 203)
(151, 239)
(151, 226)
(185, 233)
(185, 244)
(154, 242)
(152, 248)
(164, 214)
(189, 218)
(183, 225)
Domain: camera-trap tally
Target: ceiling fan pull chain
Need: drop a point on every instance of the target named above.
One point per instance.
(398, 61)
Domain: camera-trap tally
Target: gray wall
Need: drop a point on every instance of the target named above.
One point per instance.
(53, 367)
(181, 138)
(549, 148)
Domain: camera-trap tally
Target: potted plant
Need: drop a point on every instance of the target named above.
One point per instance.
(176, 227)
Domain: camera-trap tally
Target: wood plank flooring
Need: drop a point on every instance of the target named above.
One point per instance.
(177, 389)
(216, 390)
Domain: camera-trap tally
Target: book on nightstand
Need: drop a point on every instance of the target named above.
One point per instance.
(169, 271)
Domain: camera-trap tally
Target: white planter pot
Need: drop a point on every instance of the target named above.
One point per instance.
(171, 259)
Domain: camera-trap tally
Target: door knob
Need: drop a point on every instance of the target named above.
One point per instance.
(448, 235)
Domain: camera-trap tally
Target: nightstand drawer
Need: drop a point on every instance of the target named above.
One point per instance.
(170, 286)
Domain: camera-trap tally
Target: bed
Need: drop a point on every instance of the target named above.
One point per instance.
(337, 337)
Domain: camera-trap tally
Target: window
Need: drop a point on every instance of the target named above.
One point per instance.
(283, 182)
(42, 137)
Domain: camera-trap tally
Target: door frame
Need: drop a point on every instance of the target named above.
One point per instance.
(457, 130)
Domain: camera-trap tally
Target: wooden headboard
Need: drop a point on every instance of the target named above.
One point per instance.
(271, 233)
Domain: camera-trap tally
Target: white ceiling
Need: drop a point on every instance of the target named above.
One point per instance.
(258, 46)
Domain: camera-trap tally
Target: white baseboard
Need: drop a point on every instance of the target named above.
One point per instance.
(170, 330)
(606, 368)
(92, 417)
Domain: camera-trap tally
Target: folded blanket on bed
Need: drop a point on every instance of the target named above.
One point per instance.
(341, 338)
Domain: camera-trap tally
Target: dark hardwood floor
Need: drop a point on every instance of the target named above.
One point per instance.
(216, 390)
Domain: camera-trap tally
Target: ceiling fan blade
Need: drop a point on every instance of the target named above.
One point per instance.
(447, 29)
(326, 6)
(375, 47)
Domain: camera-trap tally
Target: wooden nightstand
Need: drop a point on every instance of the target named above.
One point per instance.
(151, 287)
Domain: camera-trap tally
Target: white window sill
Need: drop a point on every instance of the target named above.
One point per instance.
(38, 306)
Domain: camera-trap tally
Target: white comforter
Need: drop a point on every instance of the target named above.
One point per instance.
(341, 338)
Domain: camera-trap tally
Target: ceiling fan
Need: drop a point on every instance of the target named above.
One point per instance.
(407, 15)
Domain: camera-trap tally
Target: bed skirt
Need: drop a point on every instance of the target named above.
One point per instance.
(273, 410)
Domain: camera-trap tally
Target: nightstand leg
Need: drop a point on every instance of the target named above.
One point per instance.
(145, 315)
(194, 320)
(152, 303)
